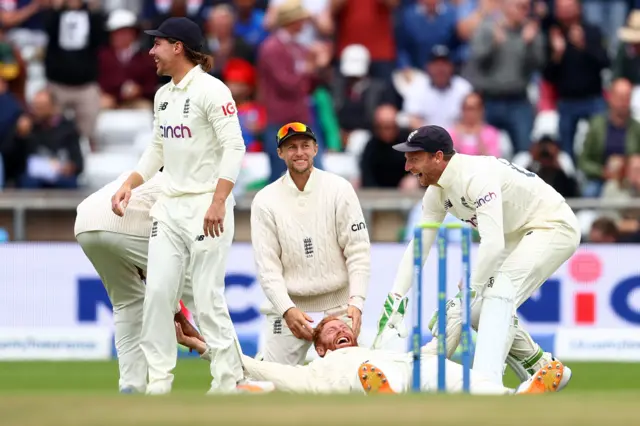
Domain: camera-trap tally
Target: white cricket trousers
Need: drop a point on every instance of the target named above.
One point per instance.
(177, 246)
(281, 346)
(531, 259)
(119, 260)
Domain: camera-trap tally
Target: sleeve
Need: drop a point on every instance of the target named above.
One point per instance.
(432, 211)
(153, 156)
(223, 116)
(268, 264)
(483, 43)
(286, 378)
(353, 237)
(72, 143)
(487, 193)
(281, 71)
(595, 47)
(590, 159)
(535, 53)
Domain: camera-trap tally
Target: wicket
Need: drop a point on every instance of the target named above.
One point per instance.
(416, 336)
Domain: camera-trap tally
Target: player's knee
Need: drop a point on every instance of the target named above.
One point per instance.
(500, 287)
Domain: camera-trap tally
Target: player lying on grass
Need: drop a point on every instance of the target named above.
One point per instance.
(344, 367)
(525, 357)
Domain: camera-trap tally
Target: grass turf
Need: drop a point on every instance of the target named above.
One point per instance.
(84, 393)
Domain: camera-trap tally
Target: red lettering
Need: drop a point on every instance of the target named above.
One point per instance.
(229, 109)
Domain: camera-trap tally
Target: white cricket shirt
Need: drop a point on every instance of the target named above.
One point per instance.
(197, 136)
(492, 195)
(94, 212)
(311, 247)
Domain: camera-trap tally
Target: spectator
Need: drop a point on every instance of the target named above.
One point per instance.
(603, 230)
(75, 35)
(240, 76)
(624, 186)
(438, 99)
(576, 60)
(546, 162)
(23, 21)
(154, 12)
(627, 60)
(611, 136)
(504, 57)
(249, 23)
(52, 146)
(13, 70)
(471, 134)
(470, 14)
(127, 74)
(354, 21)
(10, 111)
(421, 27)
(381, 166)
(318, 25)
(287, 72)
(356, 95)
(221, 40)
(608, 16)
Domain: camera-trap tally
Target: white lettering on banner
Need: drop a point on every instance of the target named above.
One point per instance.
(598, 344)
(77, 343)
(55, 285)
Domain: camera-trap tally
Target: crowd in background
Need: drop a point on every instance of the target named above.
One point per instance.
(361, 73)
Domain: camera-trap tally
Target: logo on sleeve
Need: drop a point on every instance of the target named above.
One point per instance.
(447, 204)
(358, 226)
(228, 109)
(485, 199)
(162, 106)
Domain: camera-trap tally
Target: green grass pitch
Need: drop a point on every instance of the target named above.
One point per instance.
(84, 394)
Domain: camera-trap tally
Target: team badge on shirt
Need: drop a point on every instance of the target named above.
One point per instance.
(308, 247)
(185, 110)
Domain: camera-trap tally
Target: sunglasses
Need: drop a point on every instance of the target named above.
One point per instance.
(290, 128)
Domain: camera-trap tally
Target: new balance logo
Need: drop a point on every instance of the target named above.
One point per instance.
(308, 247)
(200, 238)
(154, 229)
(185, 111)
(448, 204)
(162, 106)
(277, 326)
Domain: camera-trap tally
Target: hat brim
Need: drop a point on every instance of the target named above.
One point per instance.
(156, 33)
(405, 147)
(290, 135)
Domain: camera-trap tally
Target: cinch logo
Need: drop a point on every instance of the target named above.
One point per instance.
(358, 226)
(176, 132)
(484, 200)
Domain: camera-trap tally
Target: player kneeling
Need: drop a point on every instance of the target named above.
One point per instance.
(344, 367)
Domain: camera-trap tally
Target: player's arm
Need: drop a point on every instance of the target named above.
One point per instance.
(353, 238)
(267, 251)
(432, 211)
(286, 378)
(487, 194)
(222, 115)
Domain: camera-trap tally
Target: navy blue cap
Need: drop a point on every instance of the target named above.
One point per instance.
(181, 29)
(439, 51)
(428, 139)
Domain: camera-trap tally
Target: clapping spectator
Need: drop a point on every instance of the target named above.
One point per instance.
(505, 54)
(546, 161)
(438, 99)
(76, 33)
(221, 40)
(249, 22)
(627, 60)
(470, 14)
(127, 73)
(576, 59)
(611, 136)
(354, 21)
(51, 145)
(381, 166)
(23, 20)
(422, 26)
(318, 25)
(471, 134)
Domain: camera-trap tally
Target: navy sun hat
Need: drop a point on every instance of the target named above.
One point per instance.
(181, 29)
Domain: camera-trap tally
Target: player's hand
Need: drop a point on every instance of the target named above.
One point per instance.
(391, 322)
(120, 200)
(356, 319)
(299, 323)
(214, 219)
(189, 341)
(187, 328)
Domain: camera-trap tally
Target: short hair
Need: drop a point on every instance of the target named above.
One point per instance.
(318, 330)
(607, 226)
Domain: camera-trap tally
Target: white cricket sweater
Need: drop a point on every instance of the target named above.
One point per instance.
(311, 247)
(94, 212)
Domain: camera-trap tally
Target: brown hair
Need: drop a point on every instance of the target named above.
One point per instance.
(318, 330)
(606, 226)
(197, 58)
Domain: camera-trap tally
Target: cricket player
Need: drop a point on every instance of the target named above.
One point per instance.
(312, 248)
(527, 232)
(117, 248)
(344, 367)
(199, 142)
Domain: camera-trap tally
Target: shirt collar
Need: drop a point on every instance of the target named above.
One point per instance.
(307, 188)
(450, 172)
(197, 70)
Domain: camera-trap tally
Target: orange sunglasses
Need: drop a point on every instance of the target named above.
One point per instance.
(292, 129)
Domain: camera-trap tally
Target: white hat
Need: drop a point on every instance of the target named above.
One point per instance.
(121, 18)
(354, 61)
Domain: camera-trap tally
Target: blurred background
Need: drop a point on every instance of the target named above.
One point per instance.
(551, 85)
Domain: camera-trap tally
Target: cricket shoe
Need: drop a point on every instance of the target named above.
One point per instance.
(253, 386)
(547, 358)
(373, 380)
(547, 379)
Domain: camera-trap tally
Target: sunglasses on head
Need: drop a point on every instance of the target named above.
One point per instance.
(290, 128)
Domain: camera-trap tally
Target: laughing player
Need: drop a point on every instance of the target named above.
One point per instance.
(520, 219)
(199, 142)
(344, 367)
